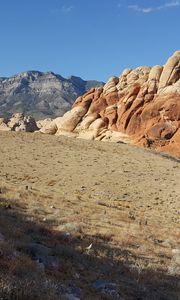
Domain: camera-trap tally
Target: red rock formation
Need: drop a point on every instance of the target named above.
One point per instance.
(141, 106)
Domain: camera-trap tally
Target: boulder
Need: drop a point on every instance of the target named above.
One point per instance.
(94, 130)
(19, 122)
(171, 71)
(49, 127)
(155, 73)
(4, 127)
(86, 122)
(70, 119)
(42, 123)
(110, 86)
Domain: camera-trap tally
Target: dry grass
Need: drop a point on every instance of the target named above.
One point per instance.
(66, 194)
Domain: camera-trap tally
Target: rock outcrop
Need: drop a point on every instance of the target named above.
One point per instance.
(41, 95)
(142, 106)
(18, 122)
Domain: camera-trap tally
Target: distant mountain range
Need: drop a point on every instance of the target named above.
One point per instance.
(42, 95)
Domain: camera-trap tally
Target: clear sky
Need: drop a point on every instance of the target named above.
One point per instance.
(93, 39)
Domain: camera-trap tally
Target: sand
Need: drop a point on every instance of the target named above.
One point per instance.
(120, 195)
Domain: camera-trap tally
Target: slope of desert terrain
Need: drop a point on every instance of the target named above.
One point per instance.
(87, 220)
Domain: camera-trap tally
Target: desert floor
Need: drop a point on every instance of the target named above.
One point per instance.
(68, 194)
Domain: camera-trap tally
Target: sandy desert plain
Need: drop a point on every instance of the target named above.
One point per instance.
(87, 220)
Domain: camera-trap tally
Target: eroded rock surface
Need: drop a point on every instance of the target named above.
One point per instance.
(18, 122)
(142, 106)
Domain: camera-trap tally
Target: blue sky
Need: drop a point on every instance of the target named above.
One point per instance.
(93, 39)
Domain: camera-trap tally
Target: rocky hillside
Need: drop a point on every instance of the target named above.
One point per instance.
(41, 95)
(142, 106)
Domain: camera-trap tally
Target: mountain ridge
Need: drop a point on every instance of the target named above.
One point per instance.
(41, 94)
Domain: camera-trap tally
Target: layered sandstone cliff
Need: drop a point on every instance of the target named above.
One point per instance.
(142, 106)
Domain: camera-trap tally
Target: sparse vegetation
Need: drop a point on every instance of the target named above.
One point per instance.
(63, 238)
